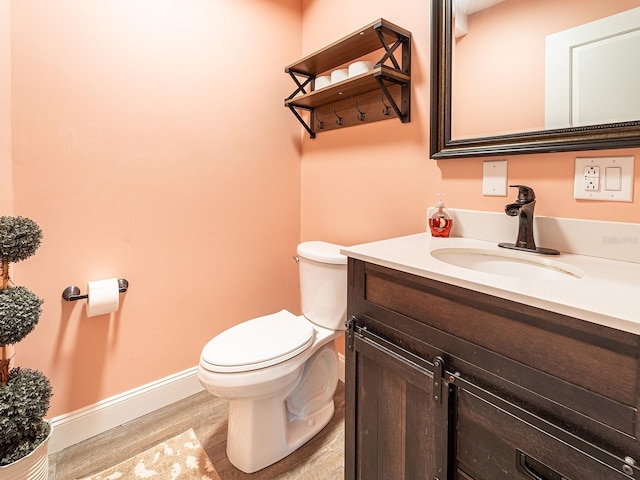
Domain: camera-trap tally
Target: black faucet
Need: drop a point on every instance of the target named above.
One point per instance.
(523, 208)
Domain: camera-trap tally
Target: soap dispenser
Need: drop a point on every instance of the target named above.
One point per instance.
(440, 221)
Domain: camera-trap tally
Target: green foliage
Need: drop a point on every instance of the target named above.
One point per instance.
(20, 311)
(19, 238)
(24, 393)
(24, 401)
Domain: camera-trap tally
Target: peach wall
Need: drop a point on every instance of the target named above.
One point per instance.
(375, 181)
(371, 181)
(150, 142)
(6, 175)
(146, 150)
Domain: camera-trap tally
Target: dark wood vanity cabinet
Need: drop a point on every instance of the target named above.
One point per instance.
(396, 415)
(444, 383)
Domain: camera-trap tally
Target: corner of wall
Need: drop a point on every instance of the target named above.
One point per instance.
(6, 177)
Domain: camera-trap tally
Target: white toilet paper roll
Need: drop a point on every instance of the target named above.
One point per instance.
(339, 75)
(104, 297)
(323, 81)
(357, 68)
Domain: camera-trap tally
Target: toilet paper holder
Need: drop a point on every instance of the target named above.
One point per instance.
(72, 292)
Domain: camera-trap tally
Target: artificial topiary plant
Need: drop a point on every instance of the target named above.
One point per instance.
(24, 393)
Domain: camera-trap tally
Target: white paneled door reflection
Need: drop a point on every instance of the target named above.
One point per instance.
(593, 71)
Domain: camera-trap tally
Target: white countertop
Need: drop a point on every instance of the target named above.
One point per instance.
(608, 293)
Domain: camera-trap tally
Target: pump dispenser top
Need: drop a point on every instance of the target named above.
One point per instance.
(440, 221)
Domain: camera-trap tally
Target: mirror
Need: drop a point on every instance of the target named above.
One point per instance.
(501, 117)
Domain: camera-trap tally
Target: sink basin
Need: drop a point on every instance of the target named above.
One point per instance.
(508, 263)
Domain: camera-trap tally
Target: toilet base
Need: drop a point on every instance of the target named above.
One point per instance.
(242, 456)
(265, 430)
(303, 429)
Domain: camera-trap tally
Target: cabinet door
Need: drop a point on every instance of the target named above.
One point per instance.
(397, 414)
(493, 441)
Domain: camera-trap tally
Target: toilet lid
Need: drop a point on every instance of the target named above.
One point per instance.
(258, 343)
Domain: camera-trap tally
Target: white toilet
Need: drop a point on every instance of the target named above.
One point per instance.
(279, 372)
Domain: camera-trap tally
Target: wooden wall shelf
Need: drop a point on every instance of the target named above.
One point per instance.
(380, 94)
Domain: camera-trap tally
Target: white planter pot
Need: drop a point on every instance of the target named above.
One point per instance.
(34, 466)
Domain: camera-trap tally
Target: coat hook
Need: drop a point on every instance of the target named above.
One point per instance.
(386, 111)
(320, 122)
(339, 120)
(360, 113)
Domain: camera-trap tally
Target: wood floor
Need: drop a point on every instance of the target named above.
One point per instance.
(319, 459)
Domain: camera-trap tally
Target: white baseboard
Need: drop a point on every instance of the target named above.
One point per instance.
(74, 427)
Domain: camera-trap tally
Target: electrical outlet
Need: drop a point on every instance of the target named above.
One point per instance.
(591, 171)
(592, 184)
(604, 178)
(592, 178)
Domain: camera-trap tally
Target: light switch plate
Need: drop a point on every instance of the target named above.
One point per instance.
(604, 178)
(494, 178)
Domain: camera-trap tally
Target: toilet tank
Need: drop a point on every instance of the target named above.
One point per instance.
(323, 284)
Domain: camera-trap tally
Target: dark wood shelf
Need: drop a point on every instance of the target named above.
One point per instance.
(351, 87)
(358, 44)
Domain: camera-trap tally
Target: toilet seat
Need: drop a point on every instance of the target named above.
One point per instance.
(258, 343)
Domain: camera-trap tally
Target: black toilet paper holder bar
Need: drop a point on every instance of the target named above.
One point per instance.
(72, 292)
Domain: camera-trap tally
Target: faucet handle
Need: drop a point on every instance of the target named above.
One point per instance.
(525, 194)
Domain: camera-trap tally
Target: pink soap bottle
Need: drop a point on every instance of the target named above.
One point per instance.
(440, 221)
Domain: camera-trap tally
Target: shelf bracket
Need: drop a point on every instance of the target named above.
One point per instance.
(389, 51)
(308, 78)
(307, 127)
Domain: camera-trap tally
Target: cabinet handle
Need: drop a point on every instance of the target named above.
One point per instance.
(534, 469)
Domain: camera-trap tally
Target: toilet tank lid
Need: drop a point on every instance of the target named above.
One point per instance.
(322, 252)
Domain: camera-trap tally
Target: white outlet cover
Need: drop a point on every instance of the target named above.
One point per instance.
(583, 186)
(494, 178)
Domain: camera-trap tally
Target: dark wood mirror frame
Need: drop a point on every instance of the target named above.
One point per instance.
(595, 137)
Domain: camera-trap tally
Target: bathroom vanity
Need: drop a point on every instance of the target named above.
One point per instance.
(455, 373)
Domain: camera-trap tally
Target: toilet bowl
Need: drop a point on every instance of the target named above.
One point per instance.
(280, 371)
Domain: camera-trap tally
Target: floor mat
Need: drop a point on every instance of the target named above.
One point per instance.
(178, 458)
